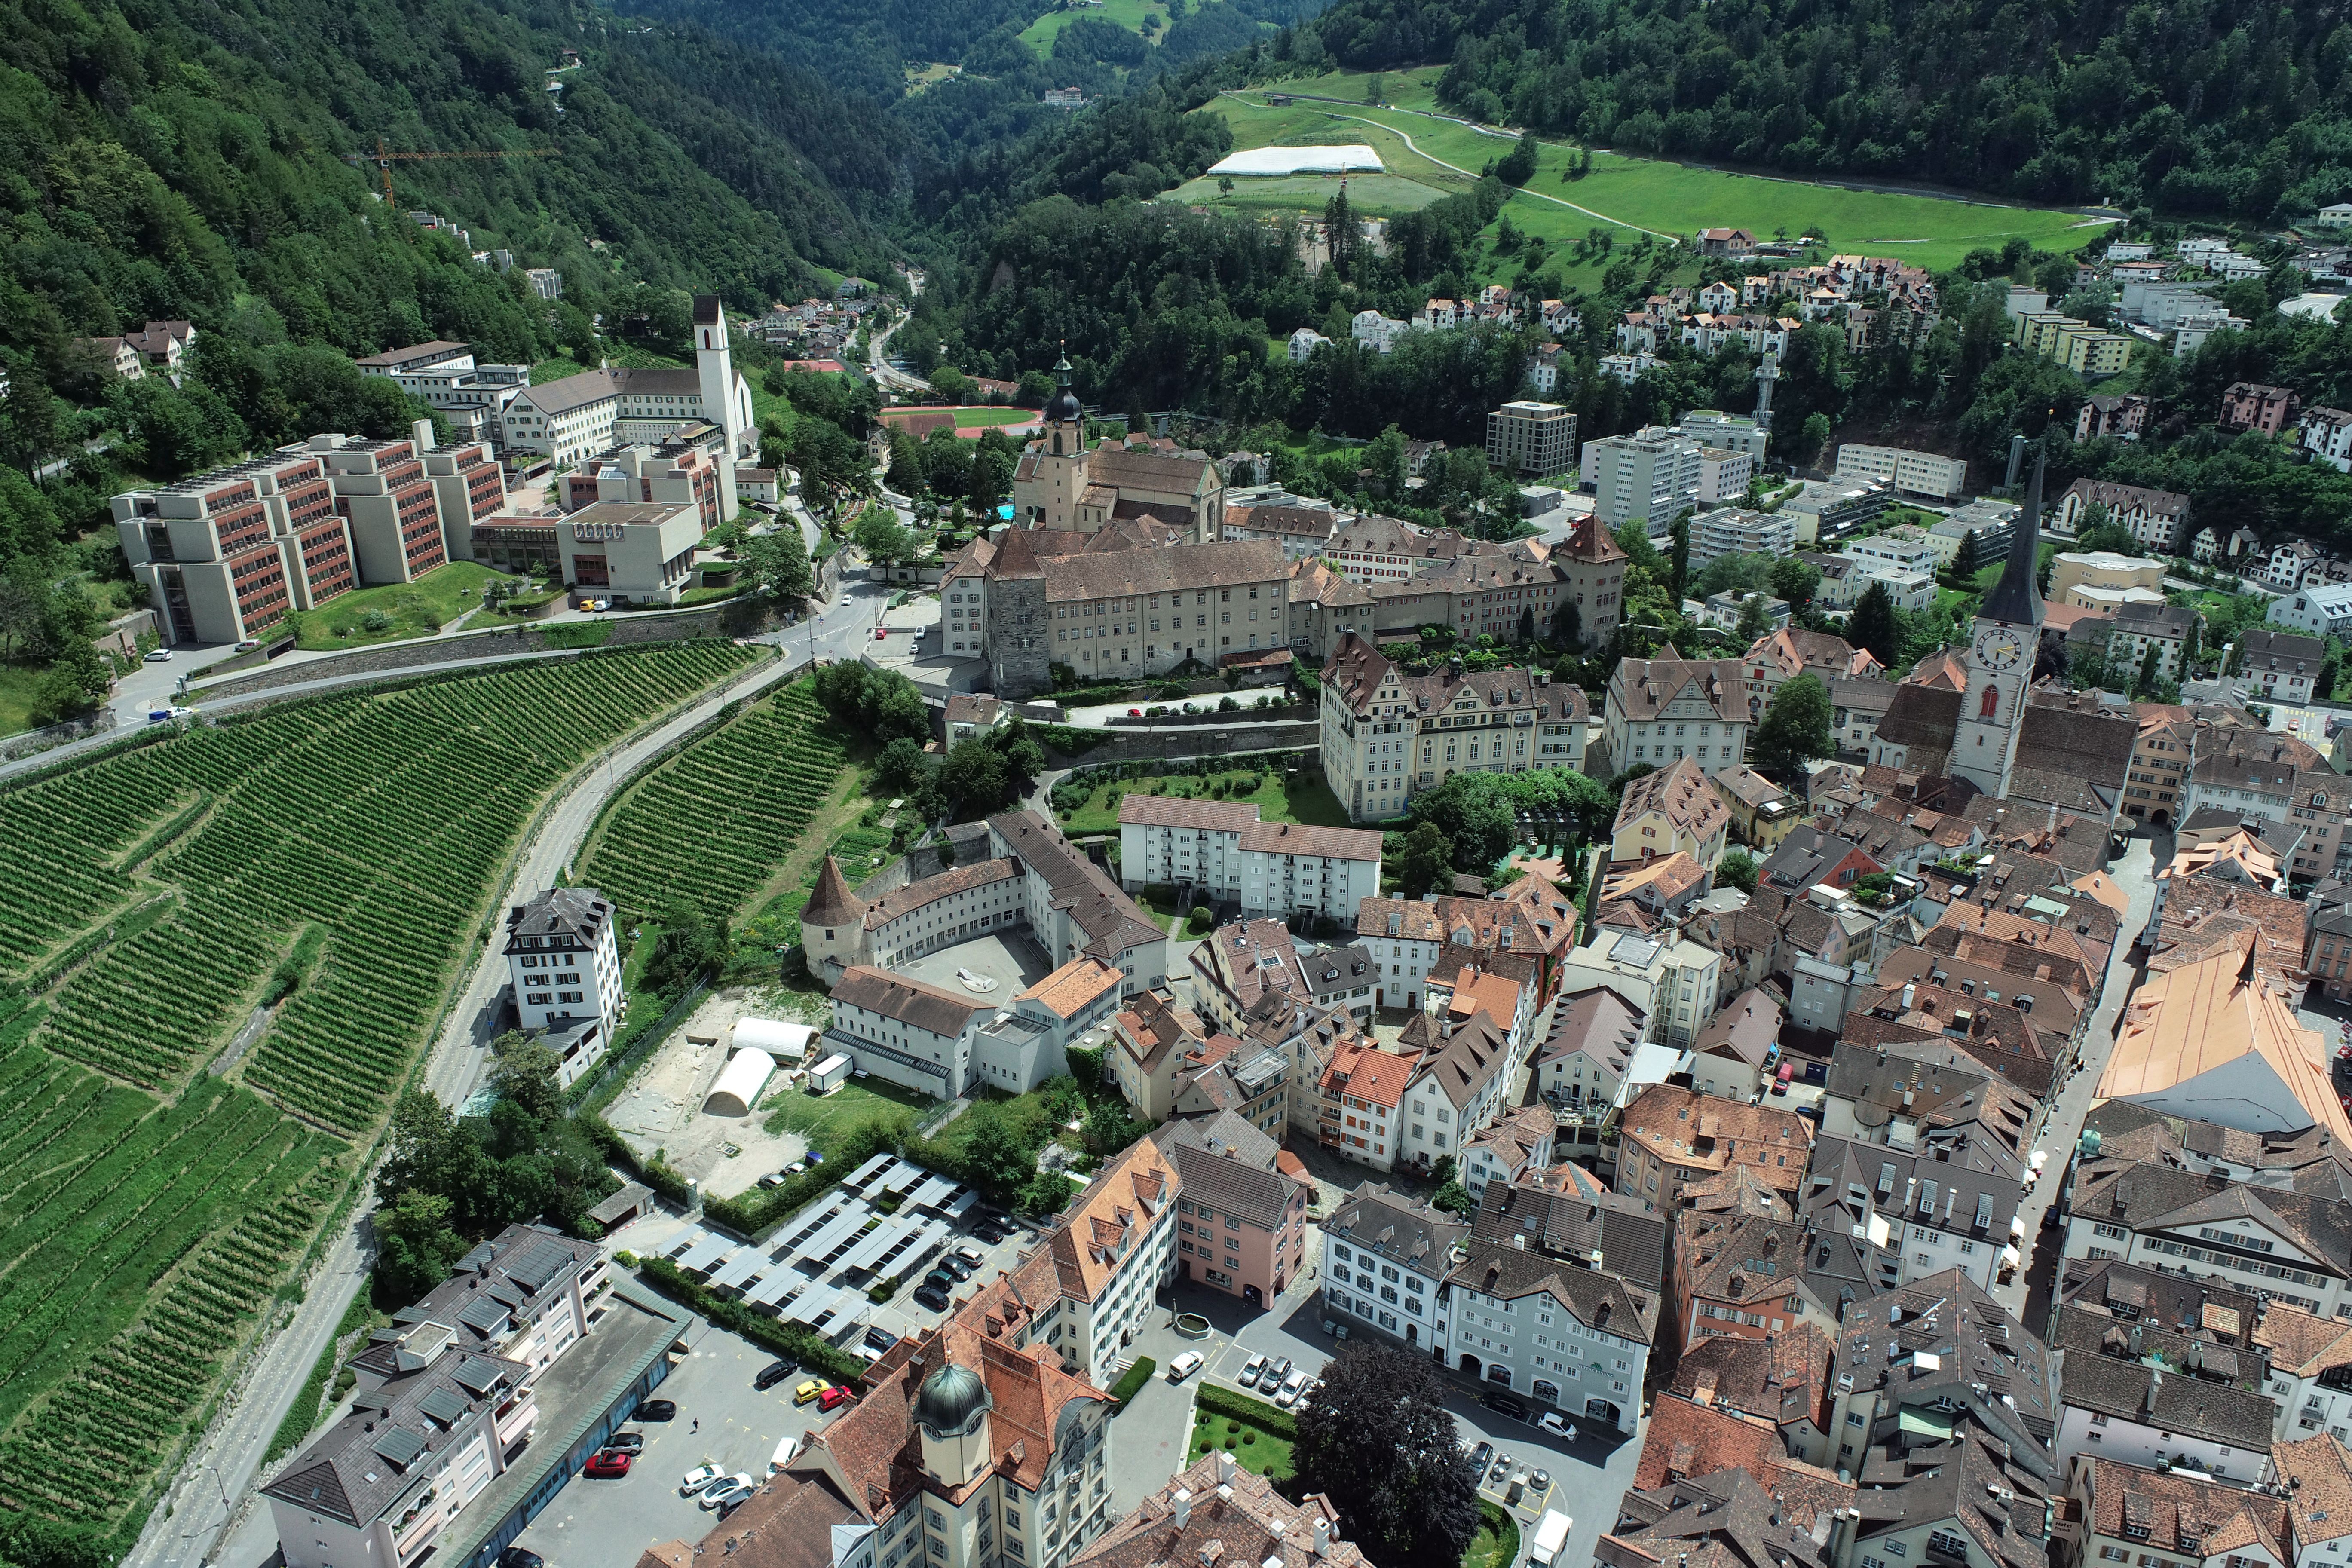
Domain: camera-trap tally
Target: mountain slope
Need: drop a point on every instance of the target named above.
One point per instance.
(178, 159)
(2182, 105)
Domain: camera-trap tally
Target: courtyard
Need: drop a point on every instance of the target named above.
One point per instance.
(1012, 958)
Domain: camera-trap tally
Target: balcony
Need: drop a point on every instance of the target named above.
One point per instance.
(515, 1418)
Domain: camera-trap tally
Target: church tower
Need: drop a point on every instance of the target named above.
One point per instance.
(726, 397)
(1050, 498)
(1999, 659)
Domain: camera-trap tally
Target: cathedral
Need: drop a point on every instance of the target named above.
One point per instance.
(1061, 484)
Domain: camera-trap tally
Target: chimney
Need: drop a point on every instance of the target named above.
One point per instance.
(1181, 1507)
(1227, 1466)
(1322, 1538)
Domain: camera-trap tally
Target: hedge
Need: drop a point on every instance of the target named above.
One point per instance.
(1221, 1401)
(810, 1350)
(1128, 1386)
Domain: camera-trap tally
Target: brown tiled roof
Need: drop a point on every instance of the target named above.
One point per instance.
(787, 1524)
(1686, 1439)
(1188, 568)
(1594, 1297)
(1693, 1132)
(1682, 794)
(2168, 1511)
(1371, 1075)
(909, 1001)
(1745, 1029)
(1639, 688)
(1301, 839)
(1405, 920)
(1158, 1022)
(1233, 1519)
(915, 895)
(1071, 988)
(1140, 809)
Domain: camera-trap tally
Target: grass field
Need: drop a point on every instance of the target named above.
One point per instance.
(1254, 1447)
(1309, 801)
(149, 1210)
(976, 414)
(1630, 193)
(415, 609)
(1496, 1545)
(826, 1119)
(19, 684)
(1040, 34)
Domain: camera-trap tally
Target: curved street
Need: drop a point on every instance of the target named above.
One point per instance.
(215, 1480)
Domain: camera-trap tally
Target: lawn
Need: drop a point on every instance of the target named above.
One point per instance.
(19, 684)
(415, 609)
(1496, 1545)
(1307, 800)
(970, 414)
(1129, 14)
(1255, 1448)
(1635, 193)
(826, 1120)
(555, 369)
(1378, 194)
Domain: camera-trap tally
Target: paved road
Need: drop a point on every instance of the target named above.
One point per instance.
(2135, 872)
(226, 1462)
(890, 376)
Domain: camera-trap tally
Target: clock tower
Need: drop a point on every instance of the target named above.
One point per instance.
(1999, 660)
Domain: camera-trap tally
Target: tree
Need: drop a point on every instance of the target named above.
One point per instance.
(1736, 869)
(778, 562)
(1794, 581)
(972, 780)
(1755, 619)
(2192, 646)
(994, 1157)
(2109, 536)
(2149, 671)
(903, 765)
(1872, 624)
(1518, 165)
(416, 1246)
(1810, 439)
(689, 947)
(1678, 563)
(1796, 728)
(2323, 685)
(1427, 861)
(76, 683)
(2086, 665)
(530, 1076)
(1375, 1439)
(879, 534)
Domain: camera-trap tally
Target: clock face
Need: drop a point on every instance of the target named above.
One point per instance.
(2000, 649)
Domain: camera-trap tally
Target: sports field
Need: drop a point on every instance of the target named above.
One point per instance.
(1625, 195)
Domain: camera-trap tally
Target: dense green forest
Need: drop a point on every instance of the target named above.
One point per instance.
(2177, 105)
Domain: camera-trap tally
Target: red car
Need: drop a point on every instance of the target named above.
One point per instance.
(608, 1462)
(833, 1398)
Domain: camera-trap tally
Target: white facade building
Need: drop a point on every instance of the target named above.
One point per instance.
(1221, 849)
(1385, 1259)
(1927, 474)
(1567, 1338)
(1651, 474)
(564, 961)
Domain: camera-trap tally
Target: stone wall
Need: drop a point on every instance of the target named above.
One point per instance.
(1198, 740)
(736, 617)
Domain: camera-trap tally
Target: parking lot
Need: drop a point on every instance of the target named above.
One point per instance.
(903, 1315)
(722, 1420)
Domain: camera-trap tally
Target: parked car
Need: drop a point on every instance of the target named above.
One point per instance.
(958, 1266)
(734, 1500)
(698, 1479)
(809, 1389)
(251, 644)
(787, 1446)
(931, 1295)
(971, 1255)
(1273, 1376)
(1554, 1423)
(627, 1442)
(987, 1233)
(880, 1338)
(1251, 1372)
(1292, 1387)
(774, 1372)
(1184, 1366)
(656, 1410)
(1480, 1455)
(1502, 1404)
(722, 1489)
(833, 1398)
(159, 655)
(520, 1557)
(1135, 712)
(941, 1278)
(607, 1462)
(773, 1179)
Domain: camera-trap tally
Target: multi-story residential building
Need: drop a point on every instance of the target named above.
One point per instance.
(1676, 983)
(1726, 432)
(1672, 1137)
(2328, 950)
(1404, 937)
(1791, 651)
(447, 1401)
(1385, 1259)
(1361, 1103)
(971, 1444)
(1735, 530)
(2137, 628)
(2327, 435)
(1111, 1254)
(1386, 735)
(1221, 849)
(1672, 812)
(1536, 439)
(2319, 612)
(1372, 549)
(2276, 667)
(1152, 1037)
(2158, 518)
(2123, 417)
(1301, 526)
(1651, 474)
(1241, 1225)
(1462, 1068)
(2251, 405)
(1572, 1339)
(2282, 1242)
(226, 554)
(2282, 779)
(1912, 473)
(1947, 1204)
(563, 958)
(1941, 1343)
(1828, 509)
(2172, 1516)
(906, 1031)
(1739, 1274)
(1762, 813)
(1593, 1035)
(1667, 709)
(1517, 1147)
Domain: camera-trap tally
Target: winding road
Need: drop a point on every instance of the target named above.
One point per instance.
(212, 1485)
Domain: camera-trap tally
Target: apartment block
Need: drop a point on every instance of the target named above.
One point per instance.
(1723, 474)
(1725, 432)
(1531, 439)
(227, 554)
(444, 375)
(1735, 530)
(1387, 735)
(1226, 854)
(1652, 474)
(564, 960)
(1925, 474)
(1386, 1258)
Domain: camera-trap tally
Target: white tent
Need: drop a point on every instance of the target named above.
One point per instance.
(1354, 158)
(775, 1037)
(740, 1083)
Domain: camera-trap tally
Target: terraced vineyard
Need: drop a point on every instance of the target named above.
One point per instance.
(149, 1212)
(713, 822)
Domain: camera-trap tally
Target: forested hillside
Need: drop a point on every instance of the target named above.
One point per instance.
(2179, 105)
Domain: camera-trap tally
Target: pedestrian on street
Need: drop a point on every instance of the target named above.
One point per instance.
(695, 1426)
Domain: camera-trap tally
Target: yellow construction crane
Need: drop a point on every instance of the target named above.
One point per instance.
(384, 158)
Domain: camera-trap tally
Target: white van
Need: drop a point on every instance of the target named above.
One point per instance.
(790, 1446)
(1551, 1537)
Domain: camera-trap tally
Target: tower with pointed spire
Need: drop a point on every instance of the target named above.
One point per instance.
(1999, 659)
(833, 925)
